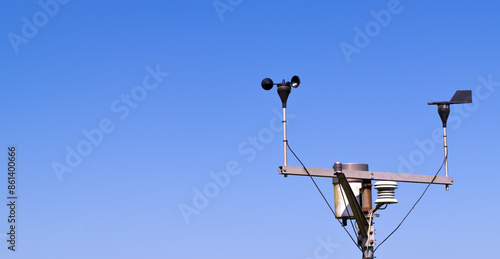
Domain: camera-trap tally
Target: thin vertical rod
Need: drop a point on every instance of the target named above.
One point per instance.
(445, 156)
(284, 137)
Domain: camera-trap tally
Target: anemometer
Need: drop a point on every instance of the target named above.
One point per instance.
(353, 181)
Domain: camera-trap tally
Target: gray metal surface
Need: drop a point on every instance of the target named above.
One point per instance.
(355, 166)
(353, 174)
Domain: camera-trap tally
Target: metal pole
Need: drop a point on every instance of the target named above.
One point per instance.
(445, 156)
(366, 202)
(368, 252)
(284, 137)
(370, 241)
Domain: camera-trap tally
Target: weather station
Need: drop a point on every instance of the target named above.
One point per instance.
(352, 182)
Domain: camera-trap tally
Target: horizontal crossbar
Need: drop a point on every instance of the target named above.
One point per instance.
(368, 175)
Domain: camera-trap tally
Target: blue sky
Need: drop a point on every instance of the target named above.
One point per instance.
(123, 112)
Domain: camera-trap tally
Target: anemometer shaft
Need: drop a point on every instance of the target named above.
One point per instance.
(284, 137)
(445, 156)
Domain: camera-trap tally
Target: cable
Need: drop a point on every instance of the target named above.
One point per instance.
(434, 178)
(324, 198)
(385, 207)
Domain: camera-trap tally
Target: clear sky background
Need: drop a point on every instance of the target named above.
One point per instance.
(128, 117)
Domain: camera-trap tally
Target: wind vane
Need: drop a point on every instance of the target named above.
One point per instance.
(353, 181)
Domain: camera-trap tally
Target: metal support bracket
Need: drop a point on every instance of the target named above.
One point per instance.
(355, 207)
